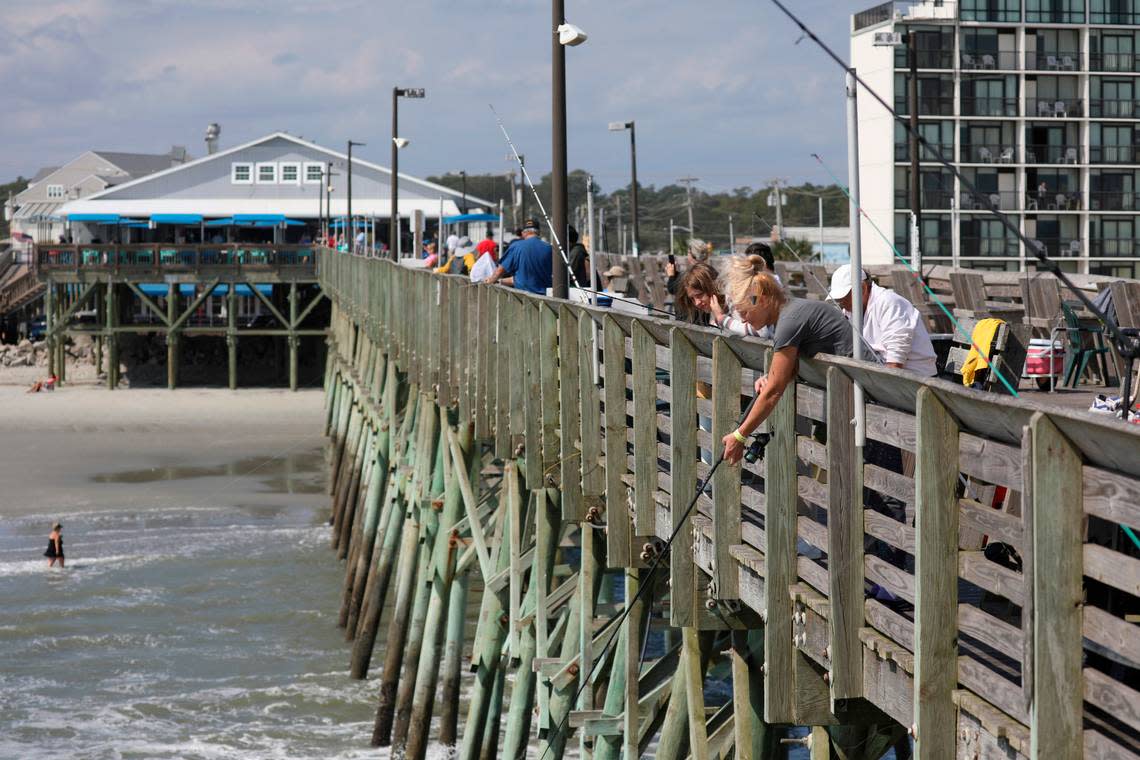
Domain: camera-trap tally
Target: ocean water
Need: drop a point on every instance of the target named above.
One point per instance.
(191, 632)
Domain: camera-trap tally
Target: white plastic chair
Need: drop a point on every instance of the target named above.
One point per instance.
(1070, 155)
(985, 155)
(1060, 109)
(968, 61)
(1006, 156)
(1068, 64)
(988, 62)
(1044, 109)
(1051, 62)
(995, 200)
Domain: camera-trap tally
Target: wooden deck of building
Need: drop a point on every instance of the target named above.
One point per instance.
(489, 441)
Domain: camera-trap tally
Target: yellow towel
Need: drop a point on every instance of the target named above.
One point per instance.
(983, 338)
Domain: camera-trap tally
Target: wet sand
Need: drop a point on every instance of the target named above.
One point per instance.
(84, 447)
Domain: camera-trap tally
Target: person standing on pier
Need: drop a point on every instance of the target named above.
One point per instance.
(527, 263)
(55, 545)
(802, 327)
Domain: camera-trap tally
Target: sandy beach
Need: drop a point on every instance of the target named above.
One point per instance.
(84, 447)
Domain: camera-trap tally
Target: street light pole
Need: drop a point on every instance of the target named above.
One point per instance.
(559, 284)
(348, 215)
(688, 183)
(621, 126)
(394, 211)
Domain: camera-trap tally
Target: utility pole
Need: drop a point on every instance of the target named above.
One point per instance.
(820, 199)
(522, 189)
(688, 183)
(620, 237)
(731, 238)
(559, 285)
(670, 237)
(397, 143)
(778, 199)
(463, 179)
(352, 244)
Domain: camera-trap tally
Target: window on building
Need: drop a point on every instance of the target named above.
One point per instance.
(1113, 51)
(290, 174)
(1113, 12)
(1113, 236)
(55, 191)
(241, 174)
(1055, 11)
(991, 10)
(314, 172)
(266, 174)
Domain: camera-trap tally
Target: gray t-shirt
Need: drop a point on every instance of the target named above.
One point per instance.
(813, 327)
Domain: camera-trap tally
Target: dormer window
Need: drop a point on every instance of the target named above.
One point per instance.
(267, 174)
(241, 174)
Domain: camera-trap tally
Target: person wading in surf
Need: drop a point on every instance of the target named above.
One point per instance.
(55, 545)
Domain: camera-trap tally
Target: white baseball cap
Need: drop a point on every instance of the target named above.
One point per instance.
(841, 282)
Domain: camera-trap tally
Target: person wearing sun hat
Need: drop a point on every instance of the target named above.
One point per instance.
(892, 327)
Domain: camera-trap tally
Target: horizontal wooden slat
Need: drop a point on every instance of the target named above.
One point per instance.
(1113, 568)
(812, 573)
(998, 525)
(889, 622)
(809, 402)
(898, 582)
(811, 451)
(1112, 633)
(975, 568)
(811, 490)
(1113, 697)
(893, 532)
(1112, 496)
(889, 483)
(990, 631)
(812, 532)
(1002, 693)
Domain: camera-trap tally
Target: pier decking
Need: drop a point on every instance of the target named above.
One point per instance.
(489, 441)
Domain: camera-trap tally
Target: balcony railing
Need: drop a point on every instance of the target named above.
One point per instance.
(1114, 17)
(927, 106)
(1053, 60)
(1050, 108)
(1114, 109)
(1060, 247)
(1003, 60)
(989, 154)
(1002, 200)
(1054, 200)
(902, 151)
(1054, 16)
(991, 14)
(1004, 107)
(930, 199)
(1114, 62)
(1127, 247)
(876, 15)
(161, 259)
(1052, 154)
(925, 59)
(1109, 200)
(984, 246)
(1114, 154)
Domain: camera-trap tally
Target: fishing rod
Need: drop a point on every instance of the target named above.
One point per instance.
(1127, 342)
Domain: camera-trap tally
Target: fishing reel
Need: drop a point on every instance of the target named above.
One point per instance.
(755, 451)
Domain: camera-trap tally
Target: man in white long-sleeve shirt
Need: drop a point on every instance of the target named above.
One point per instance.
(891, 324)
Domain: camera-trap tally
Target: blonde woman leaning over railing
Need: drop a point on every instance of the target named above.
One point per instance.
(800, 328)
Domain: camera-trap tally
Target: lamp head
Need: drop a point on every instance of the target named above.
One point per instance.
(401, 142)
(411, 92)
(570, 35)
(619, 126)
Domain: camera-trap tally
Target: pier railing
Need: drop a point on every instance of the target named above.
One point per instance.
(159, 259)
(965, 572)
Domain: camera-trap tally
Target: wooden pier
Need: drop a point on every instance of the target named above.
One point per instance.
(104, 278)
(530, 452)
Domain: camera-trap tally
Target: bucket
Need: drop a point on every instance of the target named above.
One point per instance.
(1043, 359)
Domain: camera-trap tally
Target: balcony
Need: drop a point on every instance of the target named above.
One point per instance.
(927, 105)
(931, 199)
(1005, 60)
(1054, 200)
(1114, 154)
(1126, 247)
(1053, 60)
(1054, 108)
(1060, 247)
(988, 154)
(1114, 17)
(1109, 200)
(985, 246)
(271, 261)
(925, 59)
(1114, 109)
(1126, 62)
(1054, 15)
(1003, 200)
(1052, 154)
(999, 107)
(1006, 12)
(902, 151)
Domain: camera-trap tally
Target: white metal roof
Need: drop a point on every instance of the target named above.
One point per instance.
(223, 207)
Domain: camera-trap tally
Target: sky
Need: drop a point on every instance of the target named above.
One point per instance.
(719, 89)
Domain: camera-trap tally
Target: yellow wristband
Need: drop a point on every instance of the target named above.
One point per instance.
(738, 436)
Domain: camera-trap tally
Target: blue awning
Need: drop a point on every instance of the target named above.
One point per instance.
(176, 218)
(227, 222)
(243, 290)
(248, 218)
(102, 218)
(471, 218)
(161, 289)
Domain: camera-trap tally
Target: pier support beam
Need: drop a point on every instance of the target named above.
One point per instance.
(112, 337)
(172, 353)
(231, 335)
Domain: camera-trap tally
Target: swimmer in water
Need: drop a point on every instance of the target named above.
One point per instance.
(55, 545)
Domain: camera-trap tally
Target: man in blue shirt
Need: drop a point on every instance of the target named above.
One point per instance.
(526, 264)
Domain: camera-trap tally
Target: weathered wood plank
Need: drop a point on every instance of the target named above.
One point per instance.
(618, 525)
(683, 481)
(570, 396)
(726, 480)
(1055, 719)
(530, 329)
(1112, 568)
(1112, 496)
(644, 428)
(548, 370)
(593, 477)
(936, 588)
(780, 559)
(844, 538)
